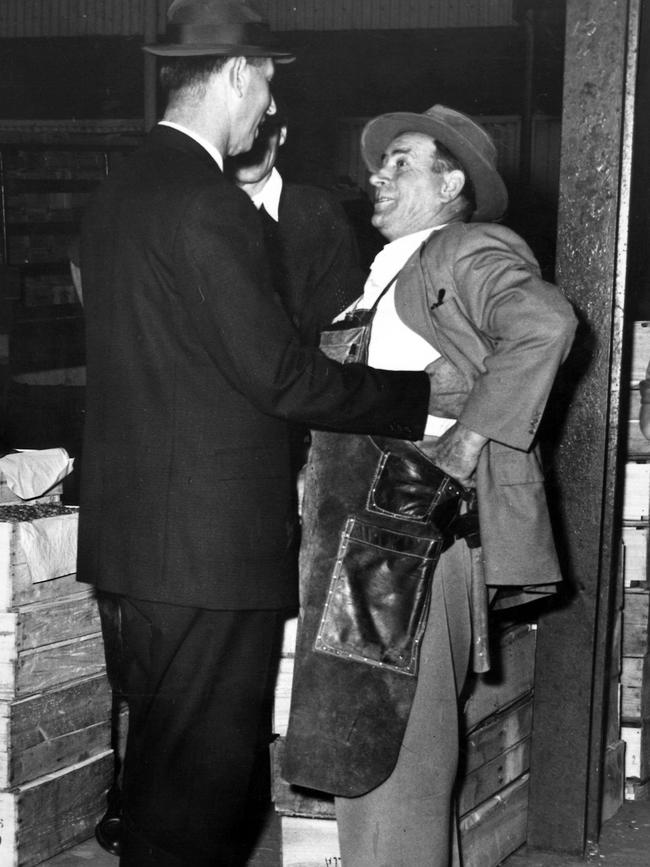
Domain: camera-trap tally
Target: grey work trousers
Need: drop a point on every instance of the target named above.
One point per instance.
(409, 820)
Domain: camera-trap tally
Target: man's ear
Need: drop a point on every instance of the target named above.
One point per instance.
(453, 184)
(237, 68)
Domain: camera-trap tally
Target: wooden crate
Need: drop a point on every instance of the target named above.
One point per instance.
(53, 730)
(637, 444)
(512, 674)
(51, 665)
(30, 626)
(50, 814)
(636, 493)
(496, 754)
(497, 827)
(635, 622)
(18, 582)
(635, 555)
(635, 700)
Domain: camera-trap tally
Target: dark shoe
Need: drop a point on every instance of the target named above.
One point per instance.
(108, 832)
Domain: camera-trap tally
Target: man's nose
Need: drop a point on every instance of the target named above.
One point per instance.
(378, 178)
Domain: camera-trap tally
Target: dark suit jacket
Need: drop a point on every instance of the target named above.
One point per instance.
(193, 372)
(314, 258)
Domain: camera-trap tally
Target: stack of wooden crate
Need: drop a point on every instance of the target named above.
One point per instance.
(635, 670)
(56, 761)
(495, 752)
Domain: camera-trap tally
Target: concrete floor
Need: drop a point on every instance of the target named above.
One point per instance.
(625, 842)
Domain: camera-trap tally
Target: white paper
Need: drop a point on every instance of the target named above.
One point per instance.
(32, 472)
(49, 545)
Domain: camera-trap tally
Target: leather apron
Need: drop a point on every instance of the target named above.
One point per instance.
(376, 517)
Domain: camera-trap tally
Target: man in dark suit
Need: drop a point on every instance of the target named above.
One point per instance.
(310, 242)
(194, 372)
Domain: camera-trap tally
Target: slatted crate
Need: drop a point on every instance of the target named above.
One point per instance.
(52, 527)
(635, 668)
(51, 730)
(48, 815)
(56, 761)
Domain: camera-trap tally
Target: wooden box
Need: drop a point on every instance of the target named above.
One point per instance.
(640, 352)
(52, 730)
(635, 622)
(635, 699)
(497, 827)
(512, 674)
(637, 444)
(72, 647)
(636, 493)
(635, 555)
(20, 581)
(48, 815)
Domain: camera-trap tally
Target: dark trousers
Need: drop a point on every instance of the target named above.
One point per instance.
(199, 687)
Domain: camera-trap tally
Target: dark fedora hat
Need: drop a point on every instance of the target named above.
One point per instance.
(467, 141)
(221, 27)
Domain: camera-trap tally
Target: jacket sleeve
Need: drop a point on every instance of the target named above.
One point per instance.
(226, 290)
(529, 327)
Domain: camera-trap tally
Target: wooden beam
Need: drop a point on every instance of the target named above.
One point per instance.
(150, 36)
(574, 640)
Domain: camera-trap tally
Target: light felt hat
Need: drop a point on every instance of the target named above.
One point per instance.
(467, 141)
(230, 28)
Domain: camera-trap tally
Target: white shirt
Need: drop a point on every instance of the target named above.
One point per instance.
(393, 345)
(209, 147)
(269, 195)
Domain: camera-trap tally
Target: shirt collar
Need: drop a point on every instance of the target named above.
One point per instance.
(393, 256)
(210, 148)
(269, 195)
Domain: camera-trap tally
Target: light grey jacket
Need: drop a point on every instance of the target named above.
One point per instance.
(475, 292)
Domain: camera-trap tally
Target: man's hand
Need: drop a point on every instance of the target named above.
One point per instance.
(449, 389)
(457, 453)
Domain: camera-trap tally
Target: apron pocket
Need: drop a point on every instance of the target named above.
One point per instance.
(378, 597)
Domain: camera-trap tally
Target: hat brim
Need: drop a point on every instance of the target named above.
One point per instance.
(489, 188)
(163, 49)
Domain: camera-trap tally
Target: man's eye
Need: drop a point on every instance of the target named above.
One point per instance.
(400, 163)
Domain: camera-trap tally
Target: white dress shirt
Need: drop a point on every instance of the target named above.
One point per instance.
(393, 345)
(269, 196)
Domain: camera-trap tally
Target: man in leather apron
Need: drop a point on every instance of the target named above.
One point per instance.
(394, 585)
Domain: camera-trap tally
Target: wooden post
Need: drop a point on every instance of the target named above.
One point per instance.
(573, 657)
(150, 35)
